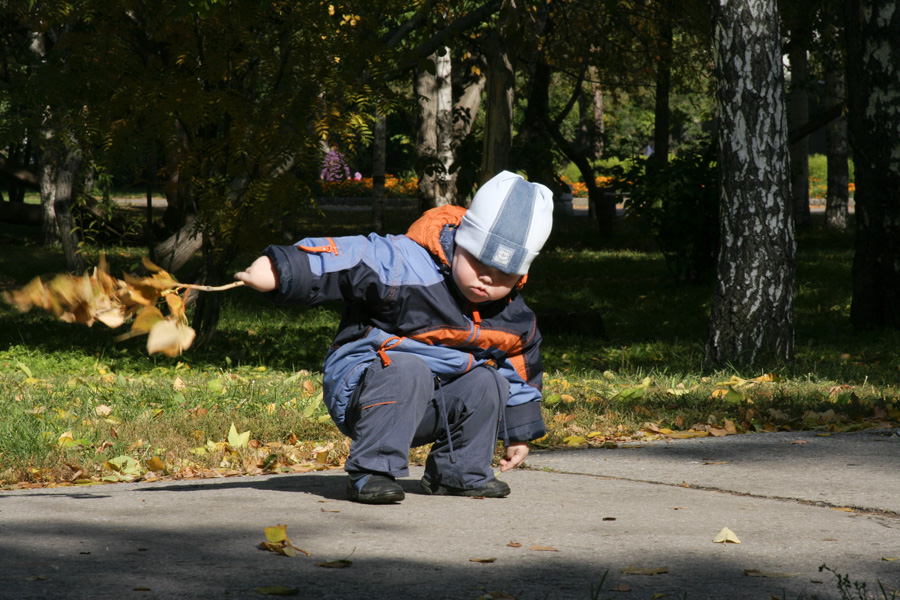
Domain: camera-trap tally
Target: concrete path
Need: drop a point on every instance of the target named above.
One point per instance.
(574, 522)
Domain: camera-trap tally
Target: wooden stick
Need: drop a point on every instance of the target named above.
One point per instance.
(212, 288)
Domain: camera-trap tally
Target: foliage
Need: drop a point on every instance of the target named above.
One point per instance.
(679, 206)
(818, 176)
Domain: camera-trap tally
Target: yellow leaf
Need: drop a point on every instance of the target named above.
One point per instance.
(537, 548)
(156, 464)
(575, 440)
(726, 536)
(276, 533)
(66, 439)
(146, 318)
(170, 338)
(567, 398)
(690, 433)
(238, 440)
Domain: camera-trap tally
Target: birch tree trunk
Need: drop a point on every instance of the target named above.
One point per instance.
(752, 315)
(437, 186)
(837, 149)
(873, 86)
(797, 116)
(58, 170)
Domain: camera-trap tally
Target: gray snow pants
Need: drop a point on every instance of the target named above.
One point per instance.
(398, 407)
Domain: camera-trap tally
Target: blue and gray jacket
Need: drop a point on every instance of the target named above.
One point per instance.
(400, 296)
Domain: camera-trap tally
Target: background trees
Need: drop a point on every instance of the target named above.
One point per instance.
(226, 108)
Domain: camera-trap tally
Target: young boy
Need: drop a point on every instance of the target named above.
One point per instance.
(435, 344)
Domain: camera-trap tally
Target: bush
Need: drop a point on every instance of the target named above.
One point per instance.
(679, 206)
(818, 176)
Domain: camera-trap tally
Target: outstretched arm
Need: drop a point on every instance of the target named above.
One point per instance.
(260, 275)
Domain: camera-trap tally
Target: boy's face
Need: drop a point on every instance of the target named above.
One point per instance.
(479, 282)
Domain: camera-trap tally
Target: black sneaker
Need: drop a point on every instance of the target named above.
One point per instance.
(492, 489)
(375, 489)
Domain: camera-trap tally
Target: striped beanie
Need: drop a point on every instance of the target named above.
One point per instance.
(508, 222)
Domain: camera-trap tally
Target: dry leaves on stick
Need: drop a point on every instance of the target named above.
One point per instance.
(99, 296)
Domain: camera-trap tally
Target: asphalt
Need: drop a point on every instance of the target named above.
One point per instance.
(576, 522)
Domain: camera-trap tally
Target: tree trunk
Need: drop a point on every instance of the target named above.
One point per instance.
(174, 252)
(58, 170)
(599, 128)
(837, 149)
(660, 157)
(873, 85)
(797, 116)
(752, 314)
(435, 133)
(379, 149)
(501, 79)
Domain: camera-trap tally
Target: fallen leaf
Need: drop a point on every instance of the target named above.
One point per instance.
(716, 462)
(575, 440)
(842, 508)
(642, 571)
(514, 545)
(277, 590)
(885, 558)
(726, 536)
(690, 433)
(769, 574)
(102, 410)
(483, 560)
(537, 548)
(276, 533)
(622, 587)
(335, 564)
(238, 440)
(156, 464)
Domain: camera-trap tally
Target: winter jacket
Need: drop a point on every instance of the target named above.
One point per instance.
(400, 296)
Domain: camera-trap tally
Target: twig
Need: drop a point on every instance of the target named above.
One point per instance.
(212, 288)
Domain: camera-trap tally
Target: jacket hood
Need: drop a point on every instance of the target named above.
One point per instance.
(426, 231)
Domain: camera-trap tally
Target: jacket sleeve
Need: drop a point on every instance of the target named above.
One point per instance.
(523, 419)
(352, 269)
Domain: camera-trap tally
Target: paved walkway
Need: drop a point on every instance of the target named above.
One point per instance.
(575, 521)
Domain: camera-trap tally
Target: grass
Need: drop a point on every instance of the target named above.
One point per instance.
(623, 356)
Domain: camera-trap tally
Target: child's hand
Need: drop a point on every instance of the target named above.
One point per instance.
(261, 275)
(515, 454)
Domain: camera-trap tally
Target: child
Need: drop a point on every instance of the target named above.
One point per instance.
(435, 344)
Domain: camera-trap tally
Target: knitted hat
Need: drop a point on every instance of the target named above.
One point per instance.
(508, 222)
